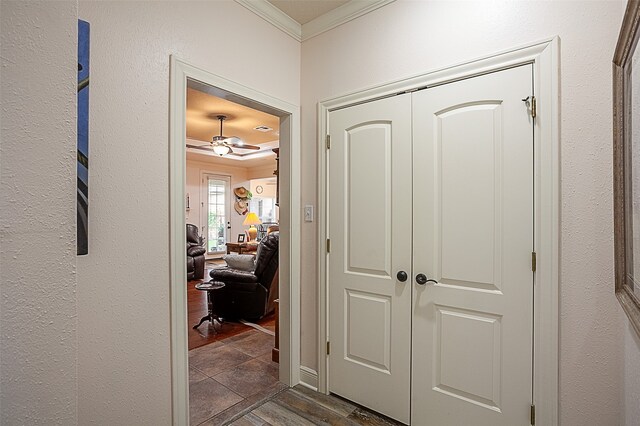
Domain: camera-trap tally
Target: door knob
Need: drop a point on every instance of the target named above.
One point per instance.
(422, 279)
(402, 276)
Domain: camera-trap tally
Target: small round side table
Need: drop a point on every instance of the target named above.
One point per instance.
(210, 287)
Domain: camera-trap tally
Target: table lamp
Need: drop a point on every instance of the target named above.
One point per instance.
(252, 219)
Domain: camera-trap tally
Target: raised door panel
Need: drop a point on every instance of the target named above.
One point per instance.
(366, 312)
(368, 198)
(467, 353)
(467, 226)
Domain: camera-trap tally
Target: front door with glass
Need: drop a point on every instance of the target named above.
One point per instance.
(216, 209)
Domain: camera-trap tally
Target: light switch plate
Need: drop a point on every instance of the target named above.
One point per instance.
(308, 213)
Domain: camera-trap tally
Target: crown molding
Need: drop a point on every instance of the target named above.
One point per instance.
(323, 23)
(274, 16)
(340, 15)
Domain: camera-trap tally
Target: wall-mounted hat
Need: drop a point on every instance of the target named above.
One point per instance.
(241, 192)
(240, 206)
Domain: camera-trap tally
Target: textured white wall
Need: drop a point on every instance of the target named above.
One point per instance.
(38, 338)
(123, 285)
(122, 335)
(411, 37)
(631, 387)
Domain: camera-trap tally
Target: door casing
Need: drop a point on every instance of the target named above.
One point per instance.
(289, 318)
(544, 56)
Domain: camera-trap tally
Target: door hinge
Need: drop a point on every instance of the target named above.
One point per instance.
(328, 245)
(328, 139)
(534, 107)
(533, 414)
(531, 103)
(534, 261)
(328, 348)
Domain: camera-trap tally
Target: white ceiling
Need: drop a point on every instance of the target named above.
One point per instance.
(304, 19)
(303, 11)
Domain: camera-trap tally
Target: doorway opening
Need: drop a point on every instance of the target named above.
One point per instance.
(237, 185)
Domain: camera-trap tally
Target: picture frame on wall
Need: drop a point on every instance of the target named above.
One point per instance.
(626, 164)
(241, 238)
(82, 170)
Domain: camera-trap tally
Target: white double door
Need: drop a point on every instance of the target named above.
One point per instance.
(437, 182)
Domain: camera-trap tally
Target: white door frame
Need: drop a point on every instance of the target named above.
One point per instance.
(544, 56)
(204, 200)
(289, 311)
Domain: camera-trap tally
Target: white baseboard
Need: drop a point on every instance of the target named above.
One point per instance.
(309, 378)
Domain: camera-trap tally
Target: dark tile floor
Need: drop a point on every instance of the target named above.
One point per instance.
(229, 372)
(234, 382)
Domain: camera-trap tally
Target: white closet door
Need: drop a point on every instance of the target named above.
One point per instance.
(473, 234)
(370, 231)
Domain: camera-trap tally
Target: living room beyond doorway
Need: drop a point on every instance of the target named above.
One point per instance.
(233, 236)
(231, 365)
(225, 139)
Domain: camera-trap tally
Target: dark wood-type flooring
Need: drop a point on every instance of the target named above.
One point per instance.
(197, 308)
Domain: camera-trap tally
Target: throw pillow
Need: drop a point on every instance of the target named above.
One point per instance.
(242, 262)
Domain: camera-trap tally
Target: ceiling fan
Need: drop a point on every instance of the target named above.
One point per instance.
(221, 145)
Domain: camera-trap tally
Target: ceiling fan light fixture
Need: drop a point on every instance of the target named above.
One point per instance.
(221, 149)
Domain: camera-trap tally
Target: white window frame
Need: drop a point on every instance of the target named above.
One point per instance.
(204, 212)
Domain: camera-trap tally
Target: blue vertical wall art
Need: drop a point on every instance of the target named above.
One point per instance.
(83, 138)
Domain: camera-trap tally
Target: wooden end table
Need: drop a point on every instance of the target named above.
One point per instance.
(211, 316)
(241, 248)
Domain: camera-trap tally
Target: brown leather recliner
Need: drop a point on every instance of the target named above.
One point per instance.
(249, 295)
(195, 254)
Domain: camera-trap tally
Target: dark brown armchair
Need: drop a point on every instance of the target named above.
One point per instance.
(249, 294)
(195, 254)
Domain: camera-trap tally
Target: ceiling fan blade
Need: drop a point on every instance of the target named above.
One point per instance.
(243, 145)
(202, 147)
(232, 139)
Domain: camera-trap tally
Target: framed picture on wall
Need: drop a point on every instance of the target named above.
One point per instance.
(82, 170)
(626, 164)
(241, 238)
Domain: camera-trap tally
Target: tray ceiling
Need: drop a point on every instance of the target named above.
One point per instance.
(202, 124)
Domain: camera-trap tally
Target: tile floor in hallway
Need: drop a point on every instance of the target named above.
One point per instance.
(234, 382)
(234, 372)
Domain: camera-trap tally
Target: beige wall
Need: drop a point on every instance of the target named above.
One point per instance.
(123, 286)
(97, 352)
(38, 333)
(631, 371)
(261, 171)
(410, 37)
(268, 187)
